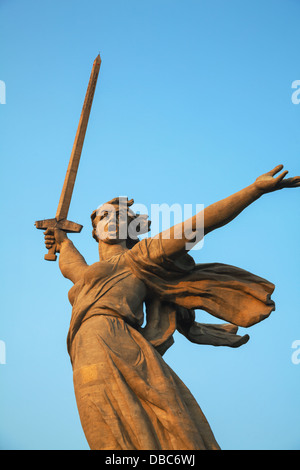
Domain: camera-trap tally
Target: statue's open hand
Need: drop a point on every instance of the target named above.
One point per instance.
(53, 237)
(268, 182)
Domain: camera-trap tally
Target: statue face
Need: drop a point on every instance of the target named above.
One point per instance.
(109, 226)
(115, 222)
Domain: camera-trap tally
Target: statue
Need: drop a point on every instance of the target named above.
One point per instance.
(128, 398)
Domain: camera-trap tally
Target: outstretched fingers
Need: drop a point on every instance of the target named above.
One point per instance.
(280, 181)
(291, 182)
(281, 176)
(275, 170)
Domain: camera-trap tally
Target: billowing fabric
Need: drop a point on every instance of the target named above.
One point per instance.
(226, 292)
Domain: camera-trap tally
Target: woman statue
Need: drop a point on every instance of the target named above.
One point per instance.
(127, 396)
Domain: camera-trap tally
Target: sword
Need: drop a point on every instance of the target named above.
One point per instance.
(60, 221)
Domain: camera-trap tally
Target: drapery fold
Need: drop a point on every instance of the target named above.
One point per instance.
(224, 291)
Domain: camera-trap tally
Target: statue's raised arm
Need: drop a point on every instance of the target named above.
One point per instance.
(176, 239)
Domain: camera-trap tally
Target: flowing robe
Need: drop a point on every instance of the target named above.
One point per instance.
(127, 396)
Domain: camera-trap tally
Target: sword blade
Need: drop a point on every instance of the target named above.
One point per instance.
(67, 191)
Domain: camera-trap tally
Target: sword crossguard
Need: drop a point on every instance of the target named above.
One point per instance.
(51, 224)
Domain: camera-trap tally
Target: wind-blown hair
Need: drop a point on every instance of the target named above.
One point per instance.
(142, 222)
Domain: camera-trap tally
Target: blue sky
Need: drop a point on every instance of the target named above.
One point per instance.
(193, 102)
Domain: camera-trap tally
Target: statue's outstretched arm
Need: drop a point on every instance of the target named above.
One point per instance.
(175, 240)
(219, 214)
(71, 263)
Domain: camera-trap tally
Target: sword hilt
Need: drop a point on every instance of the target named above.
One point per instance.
(51, 224)
(51, 256)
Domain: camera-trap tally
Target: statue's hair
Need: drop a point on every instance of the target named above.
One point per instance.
(144, 224)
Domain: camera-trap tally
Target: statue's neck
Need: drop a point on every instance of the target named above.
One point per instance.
(106, 250)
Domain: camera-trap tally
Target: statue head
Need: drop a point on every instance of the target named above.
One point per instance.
(114, 222)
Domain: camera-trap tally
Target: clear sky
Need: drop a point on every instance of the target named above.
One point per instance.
(193, 102)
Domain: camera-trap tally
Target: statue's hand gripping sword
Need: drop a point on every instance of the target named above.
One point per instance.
(60, 220)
